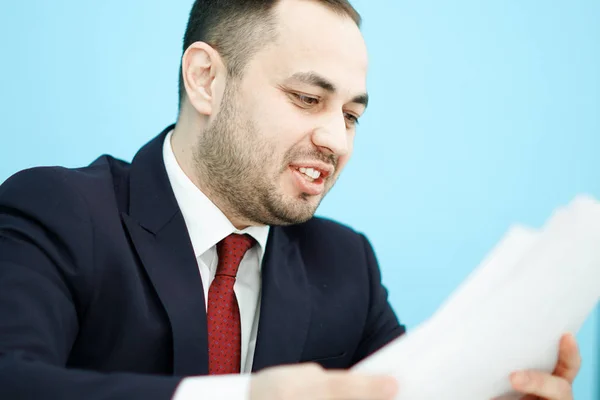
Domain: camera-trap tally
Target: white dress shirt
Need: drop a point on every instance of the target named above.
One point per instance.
(207, 226)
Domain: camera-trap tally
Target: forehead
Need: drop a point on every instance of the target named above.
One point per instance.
(314, 38)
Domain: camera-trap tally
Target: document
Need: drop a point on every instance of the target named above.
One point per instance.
(508, 315)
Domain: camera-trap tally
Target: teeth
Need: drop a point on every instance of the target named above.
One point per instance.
(310, 172)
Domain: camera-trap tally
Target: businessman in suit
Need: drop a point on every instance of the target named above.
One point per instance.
(198, 271)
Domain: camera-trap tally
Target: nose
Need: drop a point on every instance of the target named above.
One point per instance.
(332, 136)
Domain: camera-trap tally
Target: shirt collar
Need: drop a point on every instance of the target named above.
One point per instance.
(206, 223)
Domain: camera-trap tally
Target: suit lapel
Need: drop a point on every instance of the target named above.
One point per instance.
(160, 237)
(285, 304)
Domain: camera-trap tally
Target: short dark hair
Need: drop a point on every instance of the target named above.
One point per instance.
(237, 29)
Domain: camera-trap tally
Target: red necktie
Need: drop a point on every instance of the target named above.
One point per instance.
(223, 316)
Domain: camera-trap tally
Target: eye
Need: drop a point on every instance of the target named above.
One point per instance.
(352, 119)
(307, 101)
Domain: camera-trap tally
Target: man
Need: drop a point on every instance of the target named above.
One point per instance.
(202, 256)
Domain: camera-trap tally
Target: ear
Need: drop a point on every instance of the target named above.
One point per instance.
(202, 69)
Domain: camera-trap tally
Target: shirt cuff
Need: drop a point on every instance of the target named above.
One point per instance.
(218, 387)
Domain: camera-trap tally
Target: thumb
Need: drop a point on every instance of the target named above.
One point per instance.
(569, 359)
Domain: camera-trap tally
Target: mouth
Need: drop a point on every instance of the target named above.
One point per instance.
(310, 178)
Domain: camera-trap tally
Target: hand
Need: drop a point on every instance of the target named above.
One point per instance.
(311, 381)
(558, 386)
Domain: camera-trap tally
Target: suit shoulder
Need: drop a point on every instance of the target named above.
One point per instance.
(35, 182)
(57, 187)
(324, 230)
(41, 191)
(329, 225)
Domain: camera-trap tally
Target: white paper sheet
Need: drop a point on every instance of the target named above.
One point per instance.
(508, 315)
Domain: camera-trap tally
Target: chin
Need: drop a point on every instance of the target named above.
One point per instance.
(307, 207)
(294, 212)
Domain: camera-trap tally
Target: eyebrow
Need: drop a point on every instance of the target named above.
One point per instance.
(314, 79)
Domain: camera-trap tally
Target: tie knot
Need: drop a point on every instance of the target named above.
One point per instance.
(230, 251)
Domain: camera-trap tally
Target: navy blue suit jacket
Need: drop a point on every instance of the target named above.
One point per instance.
(101, 297)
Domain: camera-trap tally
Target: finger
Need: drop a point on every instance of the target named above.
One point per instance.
(569, 359)
(348, 386)
(542, 384)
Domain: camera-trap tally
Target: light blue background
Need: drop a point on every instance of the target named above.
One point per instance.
(483, 113)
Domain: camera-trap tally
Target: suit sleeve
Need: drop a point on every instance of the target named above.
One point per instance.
(44, 290)
(382, 325)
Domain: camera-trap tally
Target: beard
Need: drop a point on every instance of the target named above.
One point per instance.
(233, 161)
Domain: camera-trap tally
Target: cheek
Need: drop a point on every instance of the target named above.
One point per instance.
(350, 143)
(342, 161)
(280, 124)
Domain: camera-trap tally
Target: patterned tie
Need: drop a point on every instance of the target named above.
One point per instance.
(223, 316)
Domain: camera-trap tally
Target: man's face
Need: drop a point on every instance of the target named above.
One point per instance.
(285, 131)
